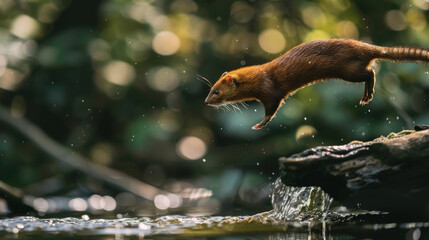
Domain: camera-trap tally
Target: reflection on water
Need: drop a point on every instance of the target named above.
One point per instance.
(259, 226)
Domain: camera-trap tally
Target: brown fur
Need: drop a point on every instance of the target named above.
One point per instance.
(305, 64)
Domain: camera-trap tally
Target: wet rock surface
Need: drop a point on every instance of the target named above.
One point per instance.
(387, 174)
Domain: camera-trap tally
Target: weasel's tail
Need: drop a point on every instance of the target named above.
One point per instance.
(403, 54)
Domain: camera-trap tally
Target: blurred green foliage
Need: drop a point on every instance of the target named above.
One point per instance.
(116, 80)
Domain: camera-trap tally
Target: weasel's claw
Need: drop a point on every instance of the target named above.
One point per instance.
(365, 100)
(263, 123)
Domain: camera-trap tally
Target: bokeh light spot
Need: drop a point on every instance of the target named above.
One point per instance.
(423, 4)
(166, 43)
(78, 204)
(161, 202)
(305, 131)
(108, 203)
(272, 41)
(11, 79)
(164, 79)
(40, 204)
(416, 19)
(175, 200)
(347, 29)
(95, 202)
(18, 106)
(395, 20)
(316, 35)
(25, 26)
(48, 13)
(191, 148)
(313, 16)
(119, 72)
(241, 12)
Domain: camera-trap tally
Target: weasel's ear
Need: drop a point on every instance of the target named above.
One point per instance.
(228, 79)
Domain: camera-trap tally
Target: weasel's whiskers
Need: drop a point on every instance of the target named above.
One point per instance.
(226, 107)
(235, 107)
(206, 81)
(245, 105)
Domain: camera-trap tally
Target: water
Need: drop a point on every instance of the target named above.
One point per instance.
(298, 213)
(299, 203)
(186, 227)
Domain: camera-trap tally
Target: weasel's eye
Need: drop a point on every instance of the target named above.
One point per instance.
(216, 92)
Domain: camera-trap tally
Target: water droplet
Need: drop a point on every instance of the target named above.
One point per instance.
(219, 18)
(256, 110)
(204, 160)
(305, 118)
(257, 164)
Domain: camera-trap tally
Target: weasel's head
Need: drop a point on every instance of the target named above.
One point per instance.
(223, 91)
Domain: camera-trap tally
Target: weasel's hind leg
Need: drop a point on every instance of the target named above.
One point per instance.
(363, 75)
(368, 77)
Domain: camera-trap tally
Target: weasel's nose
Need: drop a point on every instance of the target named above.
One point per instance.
(206, 101)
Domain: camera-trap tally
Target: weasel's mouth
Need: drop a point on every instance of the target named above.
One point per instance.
(217, 104)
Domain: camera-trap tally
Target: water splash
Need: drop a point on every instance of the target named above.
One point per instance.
(299, 203)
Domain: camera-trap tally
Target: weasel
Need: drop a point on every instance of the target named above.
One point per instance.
(305, 64)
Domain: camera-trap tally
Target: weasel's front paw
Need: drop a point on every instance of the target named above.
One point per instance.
(263, 123)
(259, 126)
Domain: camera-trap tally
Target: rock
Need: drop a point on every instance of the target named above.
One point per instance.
(387, 174)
